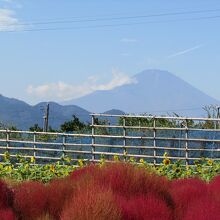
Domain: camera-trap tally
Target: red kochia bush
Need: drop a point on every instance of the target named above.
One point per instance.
(7, 214)
(214, 189)
(129, 181)
(91, 203)
(6, 196)
(203, 209)
(148, 207)
(30, 200)
(59, 192)
(123, 178)
(186, 192)
(91, 170)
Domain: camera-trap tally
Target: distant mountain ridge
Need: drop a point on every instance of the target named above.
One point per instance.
(23, 116)
(154, 91)
(14, 112)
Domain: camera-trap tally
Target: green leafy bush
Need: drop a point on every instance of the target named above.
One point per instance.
(24, 168)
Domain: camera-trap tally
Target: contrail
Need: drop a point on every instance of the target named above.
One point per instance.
(185, 51)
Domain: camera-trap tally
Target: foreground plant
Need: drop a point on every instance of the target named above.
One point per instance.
(118, 191)
(23, 168)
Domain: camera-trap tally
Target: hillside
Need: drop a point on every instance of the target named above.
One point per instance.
(22, 115)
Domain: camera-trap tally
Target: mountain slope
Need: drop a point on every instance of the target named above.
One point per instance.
(23, 116)
(155, 91)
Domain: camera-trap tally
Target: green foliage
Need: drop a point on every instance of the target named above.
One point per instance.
(24, 168)
(202, 169)
(147, 122)
(212, 112)
(205, 169)
(42, 137)
(72, 125)
(101, 130)
(36, 128)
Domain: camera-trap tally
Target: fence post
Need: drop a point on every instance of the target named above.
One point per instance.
(93, 138)
(124, 139)
(142, 141)
(7, 139)
(154, 129)
(34, 144)
(64, 145)
(186, 143)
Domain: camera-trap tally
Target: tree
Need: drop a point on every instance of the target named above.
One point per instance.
(146, 122)
(101, 130)
(212, 111)
(36, 127)
(73, 125)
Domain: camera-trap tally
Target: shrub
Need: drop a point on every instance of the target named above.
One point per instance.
(7, 214)
(91, 203)
(128, 180)
(59, 192)
(6, 195)
(203, 209)
(144, 208)
(30, 200)
(111, 191)
(90, 170)
(214, 188)
(185, 192)
(45, 217)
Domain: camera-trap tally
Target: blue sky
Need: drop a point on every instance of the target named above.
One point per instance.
(101, 44)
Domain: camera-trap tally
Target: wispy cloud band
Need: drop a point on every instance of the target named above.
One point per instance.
(185, 51)
(61, 91)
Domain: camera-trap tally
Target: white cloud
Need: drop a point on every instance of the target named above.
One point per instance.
(185, 51)
(8, 21)
(128, 40)
(61, 91)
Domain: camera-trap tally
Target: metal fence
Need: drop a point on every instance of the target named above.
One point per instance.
(125, 136)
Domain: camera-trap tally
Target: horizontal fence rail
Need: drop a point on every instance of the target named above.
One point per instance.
(125, 136)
